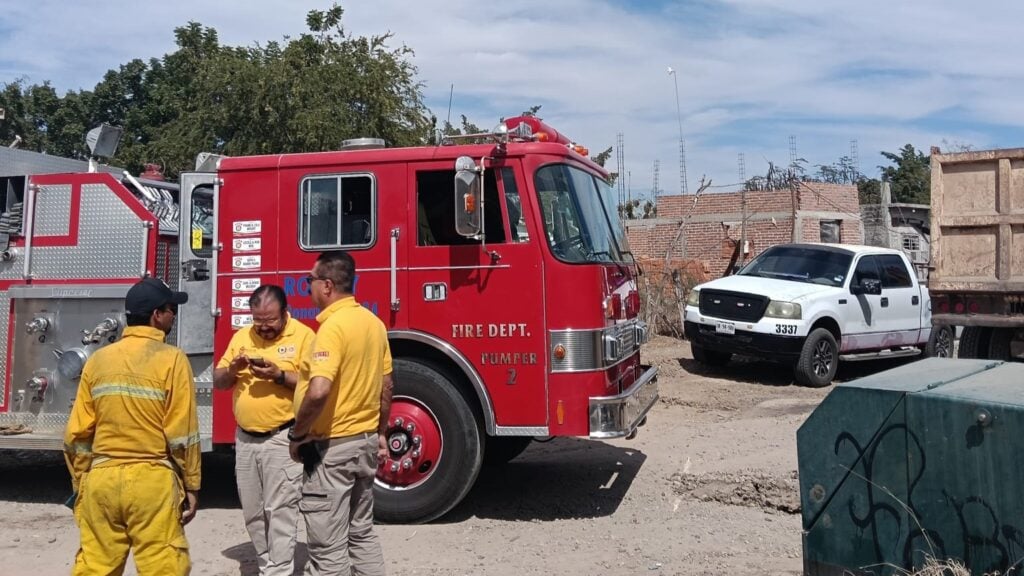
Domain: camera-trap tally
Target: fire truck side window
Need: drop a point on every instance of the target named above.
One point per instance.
(514, 206)
(337, 211)
(435, 210)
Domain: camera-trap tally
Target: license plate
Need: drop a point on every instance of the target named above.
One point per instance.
(725, 328)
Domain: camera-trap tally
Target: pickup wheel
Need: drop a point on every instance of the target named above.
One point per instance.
(710, 357)
(974, 342)
(818, 361)
(435, 447)
(940, 343)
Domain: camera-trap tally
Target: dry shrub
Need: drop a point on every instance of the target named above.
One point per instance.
(663, 289)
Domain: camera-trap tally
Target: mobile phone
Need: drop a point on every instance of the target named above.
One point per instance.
(257, 361)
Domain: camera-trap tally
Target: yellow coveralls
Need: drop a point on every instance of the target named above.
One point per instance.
(132, 447)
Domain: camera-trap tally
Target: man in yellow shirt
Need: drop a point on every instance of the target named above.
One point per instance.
(262, 365)
(343, 400)
(132, 444)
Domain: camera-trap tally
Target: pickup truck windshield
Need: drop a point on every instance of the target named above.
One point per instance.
(801, 264)
(580, 218)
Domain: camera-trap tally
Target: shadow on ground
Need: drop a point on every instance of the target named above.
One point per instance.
(561, 479)
(245, 555)
(753, 371)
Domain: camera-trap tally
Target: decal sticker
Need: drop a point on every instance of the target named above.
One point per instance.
(240, 303)
(197, 238)
(246, 244)
(245, 285)
(240, 321)
(247, 227)
(246, 262)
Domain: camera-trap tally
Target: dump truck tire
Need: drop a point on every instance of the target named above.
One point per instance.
(974, 342)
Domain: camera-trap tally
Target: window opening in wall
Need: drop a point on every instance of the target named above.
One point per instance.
(911, 243)
(831, 231)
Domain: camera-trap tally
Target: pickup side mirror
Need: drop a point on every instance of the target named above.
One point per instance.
(867, 286)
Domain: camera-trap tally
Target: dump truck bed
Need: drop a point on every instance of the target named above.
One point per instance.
(978, 221)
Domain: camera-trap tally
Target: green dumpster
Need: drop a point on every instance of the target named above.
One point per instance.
(916, 462)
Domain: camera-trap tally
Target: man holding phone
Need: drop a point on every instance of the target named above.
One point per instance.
(261, 365)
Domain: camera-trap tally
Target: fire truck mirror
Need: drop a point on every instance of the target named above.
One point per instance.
(467, 204)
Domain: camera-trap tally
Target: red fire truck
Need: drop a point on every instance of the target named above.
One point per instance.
(500, 268)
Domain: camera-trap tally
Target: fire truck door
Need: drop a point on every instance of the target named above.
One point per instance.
(195, 250)
(485, 299)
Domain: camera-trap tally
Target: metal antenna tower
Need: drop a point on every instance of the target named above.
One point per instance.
(742, 163)
(855, 158)
(657, 169)
(682, 142)
(620, 168)
(792, 150)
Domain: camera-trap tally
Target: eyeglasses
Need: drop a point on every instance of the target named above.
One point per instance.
(310, 279)
(172, 308)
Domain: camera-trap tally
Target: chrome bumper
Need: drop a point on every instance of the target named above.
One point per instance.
(618, 416)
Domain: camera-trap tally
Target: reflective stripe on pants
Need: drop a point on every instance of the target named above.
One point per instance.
(269, 485)
(134, 507)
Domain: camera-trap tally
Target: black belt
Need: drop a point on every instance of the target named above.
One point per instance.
(269, 433)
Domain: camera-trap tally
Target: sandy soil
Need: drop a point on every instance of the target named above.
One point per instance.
(708, 487)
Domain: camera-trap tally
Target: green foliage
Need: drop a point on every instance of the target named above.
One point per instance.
(300, 95)
(910, 176)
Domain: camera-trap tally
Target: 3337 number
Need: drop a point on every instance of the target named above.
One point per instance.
(785, 329)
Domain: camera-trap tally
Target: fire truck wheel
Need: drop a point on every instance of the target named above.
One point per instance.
(435, 447)
(500, 450)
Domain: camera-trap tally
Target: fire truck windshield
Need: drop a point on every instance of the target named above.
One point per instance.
(580, 216)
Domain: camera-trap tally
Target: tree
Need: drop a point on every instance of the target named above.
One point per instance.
(909, 177)
(301, 95)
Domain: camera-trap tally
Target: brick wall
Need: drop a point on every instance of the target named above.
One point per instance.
(713, 228)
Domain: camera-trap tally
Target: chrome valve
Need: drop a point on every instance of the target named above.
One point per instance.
(101, 331)
(37, 325)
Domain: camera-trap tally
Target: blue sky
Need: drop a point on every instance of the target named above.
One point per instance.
(751, 73)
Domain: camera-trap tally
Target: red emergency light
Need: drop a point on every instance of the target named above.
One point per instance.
(544, 133)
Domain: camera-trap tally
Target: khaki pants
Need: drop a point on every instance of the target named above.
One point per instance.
(337, 504)
(133, 506)
(269, 486)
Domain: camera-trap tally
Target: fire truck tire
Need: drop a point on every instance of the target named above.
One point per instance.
(459, 455)
(974, 342)
(500, 450)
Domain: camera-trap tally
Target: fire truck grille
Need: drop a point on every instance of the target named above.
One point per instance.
(587, 349)
(732, 305)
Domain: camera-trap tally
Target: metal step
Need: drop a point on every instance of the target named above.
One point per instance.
(881, 354)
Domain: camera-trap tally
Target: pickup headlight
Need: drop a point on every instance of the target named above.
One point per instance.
(788, 310)
(693, 298)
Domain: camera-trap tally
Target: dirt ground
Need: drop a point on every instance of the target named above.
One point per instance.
(708, 487)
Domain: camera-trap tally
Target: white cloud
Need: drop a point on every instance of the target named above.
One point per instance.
(751, 73)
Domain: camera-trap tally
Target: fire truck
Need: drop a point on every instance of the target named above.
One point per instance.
(497, 262)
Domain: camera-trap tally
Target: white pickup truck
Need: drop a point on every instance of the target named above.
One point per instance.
(807, 304)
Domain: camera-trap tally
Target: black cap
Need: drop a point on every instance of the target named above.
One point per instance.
(150, 294)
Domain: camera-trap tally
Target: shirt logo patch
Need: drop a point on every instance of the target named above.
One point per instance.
(321, 356)
(286, 352)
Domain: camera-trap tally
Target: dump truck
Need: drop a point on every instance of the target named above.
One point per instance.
(977, 250)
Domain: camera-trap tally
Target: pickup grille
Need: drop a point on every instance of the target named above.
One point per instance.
(732, 305)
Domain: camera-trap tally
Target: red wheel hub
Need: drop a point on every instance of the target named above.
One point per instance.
(414, 445)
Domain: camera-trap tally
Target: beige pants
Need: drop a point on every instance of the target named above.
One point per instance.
(337, 504)
(269, 486)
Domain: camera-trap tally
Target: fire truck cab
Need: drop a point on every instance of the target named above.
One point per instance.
(499, 266)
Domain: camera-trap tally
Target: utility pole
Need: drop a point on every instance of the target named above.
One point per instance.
(682, 143)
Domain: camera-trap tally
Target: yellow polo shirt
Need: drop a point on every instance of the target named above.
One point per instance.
(136, 402)
(262, 405)
(351, 349)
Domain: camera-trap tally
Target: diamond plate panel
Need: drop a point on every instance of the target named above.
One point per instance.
(53, 207)
(5, 306)
(110, 242)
